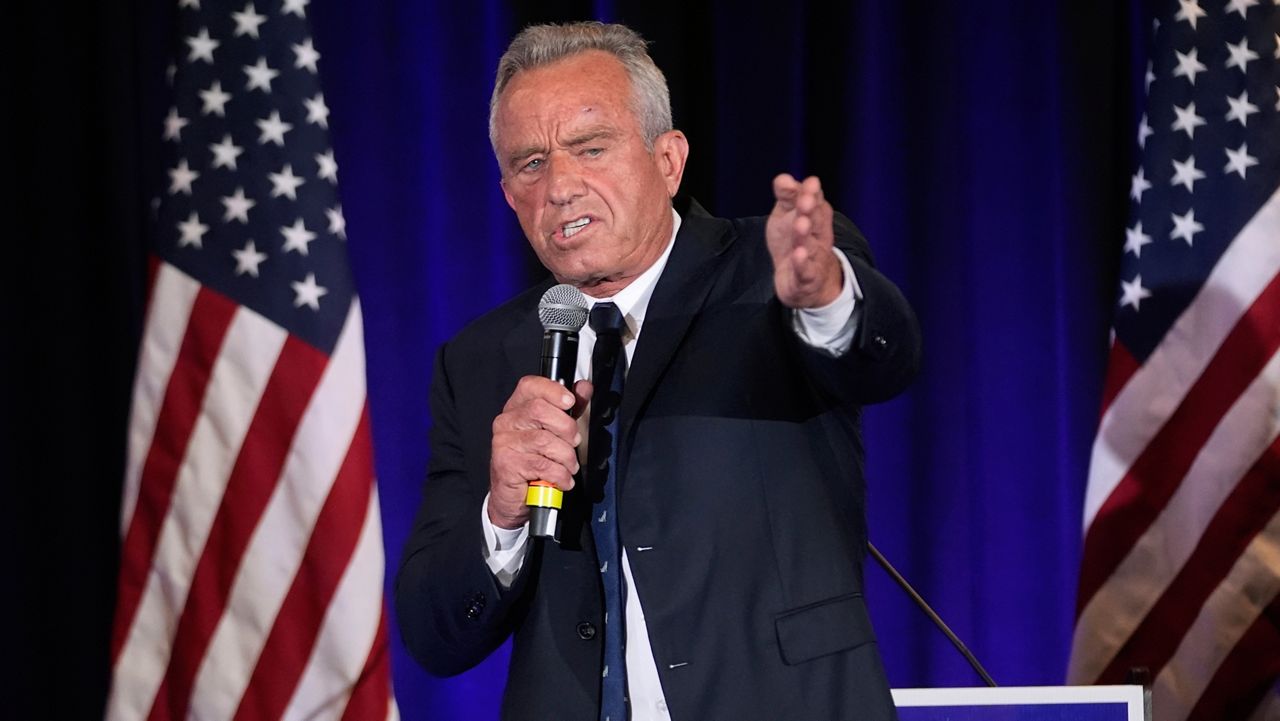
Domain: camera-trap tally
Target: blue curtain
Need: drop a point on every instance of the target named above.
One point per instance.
(983, 147)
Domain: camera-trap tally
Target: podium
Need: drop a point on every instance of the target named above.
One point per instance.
(1023, 703)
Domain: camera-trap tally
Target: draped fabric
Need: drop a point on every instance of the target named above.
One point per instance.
(982, 147)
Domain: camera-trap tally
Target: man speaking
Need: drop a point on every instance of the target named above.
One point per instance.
(709, 559)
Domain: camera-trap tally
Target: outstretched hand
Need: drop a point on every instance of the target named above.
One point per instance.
(806, 273)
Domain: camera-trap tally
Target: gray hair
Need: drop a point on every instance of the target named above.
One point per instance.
(539, 45)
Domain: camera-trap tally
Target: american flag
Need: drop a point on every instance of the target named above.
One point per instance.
(1181, 563)
(252, 566)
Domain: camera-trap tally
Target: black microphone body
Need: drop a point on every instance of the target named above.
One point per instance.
(562, 311)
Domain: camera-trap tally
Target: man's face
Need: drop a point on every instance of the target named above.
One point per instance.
(594, 202)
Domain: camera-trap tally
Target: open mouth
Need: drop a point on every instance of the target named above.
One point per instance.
(573, 228)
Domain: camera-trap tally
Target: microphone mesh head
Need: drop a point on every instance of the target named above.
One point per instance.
(563, 307)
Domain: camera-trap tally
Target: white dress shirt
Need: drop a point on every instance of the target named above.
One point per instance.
(830, 328)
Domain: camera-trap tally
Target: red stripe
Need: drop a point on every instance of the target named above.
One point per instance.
(1249, 508)
(1121, 365)
(253, 479)
(371, 697)
(1247, 674)
(333, 541)
(211, 316)
(1138, 499)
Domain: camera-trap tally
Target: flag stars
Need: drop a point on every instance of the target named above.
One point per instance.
(305, 55)
(1144, 131)
(308, 293)
(1239, 161)
(1277, 53)
(1139, 185)
(1187, 120)
(225, 153)
(260, 76)
(1188, 65)
(295, 7)
(1240, 55)
(317, 111)
(202, 47)
(1134, 239)
(273, 129)
(1241, 108)
(297, 237)
(181, 178)
(237, 207)
(1190, 11)
(337, 222)
(1185, 226)
(193, 4)
(328, 166)
(1186, 173)
(1132, 293)
(173, 125)
(215, 100)
(247, 23)
(1240, 6)
(248, 259)
(192, 232)
(1150, 76)
(285, 183)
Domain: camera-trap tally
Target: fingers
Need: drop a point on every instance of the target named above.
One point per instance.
(534, 439)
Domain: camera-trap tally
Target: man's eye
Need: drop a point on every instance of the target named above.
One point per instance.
(593, 152)
(534, 164)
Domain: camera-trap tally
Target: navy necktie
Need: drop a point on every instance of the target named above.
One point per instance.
(608, 371)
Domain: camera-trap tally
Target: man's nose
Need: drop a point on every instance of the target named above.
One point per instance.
(564, 179)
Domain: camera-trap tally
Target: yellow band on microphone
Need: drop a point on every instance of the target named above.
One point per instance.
(544, 495)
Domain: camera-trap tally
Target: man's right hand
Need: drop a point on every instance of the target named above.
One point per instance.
(534, 439)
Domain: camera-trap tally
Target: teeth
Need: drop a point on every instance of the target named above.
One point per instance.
(572, 229)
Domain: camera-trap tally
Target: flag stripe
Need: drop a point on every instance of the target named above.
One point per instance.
(1121, 366)
(1225, 617)
(211, 316)
(293, 635)
(1118, 608)
(275, 552)
(1245, 677)
(249, 349)
(162, 339)
(250, 485)
(370, 699)
(1154, 477)
(352, 623)
(1153, 393)
(1245, 513)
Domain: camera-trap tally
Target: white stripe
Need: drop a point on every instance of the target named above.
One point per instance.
(393, 711)
(171, 300)
(1229, 611)
(1155, 391)
(1269, 708)
(238, 378)
(348, 633)
(1120, 605)
(276, 549)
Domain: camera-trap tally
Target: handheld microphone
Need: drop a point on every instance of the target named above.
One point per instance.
(563, 312)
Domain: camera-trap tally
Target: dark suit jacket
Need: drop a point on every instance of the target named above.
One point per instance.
(740, 472)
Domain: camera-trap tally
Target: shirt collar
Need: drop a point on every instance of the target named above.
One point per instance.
(633, 300)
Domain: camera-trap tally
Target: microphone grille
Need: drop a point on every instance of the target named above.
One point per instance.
(563, 307)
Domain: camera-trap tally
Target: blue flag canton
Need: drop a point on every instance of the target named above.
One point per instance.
(250, 205)
(1210, 142)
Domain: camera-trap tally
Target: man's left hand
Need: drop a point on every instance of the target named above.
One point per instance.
(806, 273)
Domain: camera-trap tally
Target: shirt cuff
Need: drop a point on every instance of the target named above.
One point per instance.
(504, 549)
(831, 328)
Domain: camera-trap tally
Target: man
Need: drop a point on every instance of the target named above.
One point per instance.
(734, 468)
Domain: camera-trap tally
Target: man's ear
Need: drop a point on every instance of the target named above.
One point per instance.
(502, 183)
(670, 151)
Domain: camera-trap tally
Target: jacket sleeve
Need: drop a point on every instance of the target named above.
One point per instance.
(885, 355)
(452, 612)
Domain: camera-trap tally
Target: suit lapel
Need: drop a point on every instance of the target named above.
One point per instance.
(677, 298)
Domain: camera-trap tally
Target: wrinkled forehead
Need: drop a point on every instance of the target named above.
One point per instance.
(589, 88)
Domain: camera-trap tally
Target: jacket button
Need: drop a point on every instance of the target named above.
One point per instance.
(880, 340)
(475, 605)
(586, 631)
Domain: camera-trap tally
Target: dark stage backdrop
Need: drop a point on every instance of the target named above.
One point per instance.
(982, 146)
